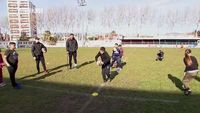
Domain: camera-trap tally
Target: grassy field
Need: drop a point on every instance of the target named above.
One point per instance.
(143, 86)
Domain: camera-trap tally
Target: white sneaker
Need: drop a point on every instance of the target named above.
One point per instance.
(2, 84)
(119, 69)
(75, 65)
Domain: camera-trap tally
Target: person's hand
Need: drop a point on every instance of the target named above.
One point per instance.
(8, 65)
(102, 63)
(34, 58)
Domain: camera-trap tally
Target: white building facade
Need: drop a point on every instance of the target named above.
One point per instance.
(21, 18)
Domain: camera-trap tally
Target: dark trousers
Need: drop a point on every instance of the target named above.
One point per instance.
(118, 61)
(41, 59)
(12, 70)
(105, 73)
(1, 75)
(74, 55)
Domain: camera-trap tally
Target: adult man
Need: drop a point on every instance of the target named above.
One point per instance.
(37, 52)
(71, 48)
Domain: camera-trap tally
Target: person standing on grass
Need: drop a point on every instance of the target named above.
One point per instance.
(11, 61)
(37, 51)
(2, 84)
(121, 51)
(191, 70)
(104, 62)
(71, 48)
(116, 58)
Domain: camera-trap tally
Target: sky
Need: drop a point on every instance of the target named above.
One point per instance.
(99, 4)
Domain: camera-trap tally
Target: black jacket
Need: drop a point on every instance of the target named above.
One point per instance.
(11, 57)
(36, 49)
(71, 45)
(160, 54)
(104, 57)
(193, 66)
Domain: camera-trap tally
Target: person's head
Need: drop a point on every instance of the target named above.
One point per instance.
(160, 50)
(71, 36)
(12, 45)
(116, 45)
(188, 54)
(37, 39)
(120, 46)
(102, 50)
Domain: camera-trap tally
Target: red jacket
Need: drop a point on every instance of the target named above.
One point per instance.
(1, 61)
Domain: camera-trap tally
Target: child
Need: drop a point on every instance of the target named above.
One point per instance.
(121, 51)
(2, 84)
(11, 61)
(191, 70)
(116, 58)
(105, 63)
(160, 55)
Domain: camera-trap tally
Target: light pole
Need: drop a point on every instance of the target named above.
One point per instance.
(197, 29)
(82, 3)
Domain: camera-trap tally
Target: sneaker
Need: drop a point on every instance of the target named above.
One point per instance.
(187, 92)
(75, 65)
(46, 72)
(2, 84)
(119, 69)
(18, 86)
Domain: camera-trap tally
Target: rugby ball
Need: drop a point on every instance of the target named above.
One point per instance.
(43, 50)
(99, 63)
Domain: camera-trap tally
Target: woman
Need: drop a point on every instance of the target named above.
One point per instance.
(191, 70)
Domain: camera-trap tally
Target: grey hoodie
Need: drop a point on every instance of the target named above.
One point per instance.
(71, 45)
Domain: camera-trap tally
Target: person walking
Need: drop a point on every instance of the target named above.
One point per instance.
(38, 50)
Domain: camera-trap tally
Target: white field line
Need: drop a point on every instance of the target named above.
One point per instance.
(106, 96)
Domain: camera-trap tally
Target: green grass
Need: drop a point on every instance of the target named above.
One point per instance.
(66, 91)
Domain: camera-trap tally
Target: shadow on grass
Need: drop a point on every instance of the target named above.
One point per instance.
(85, 63)
(197, 78)
(50, 70)
(47, 75)
(53, 97)
(113, 74)
(178, 83)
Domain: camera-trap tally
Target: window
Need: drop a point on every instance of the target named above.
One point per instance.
(24, 15)
(13, 11)
(24, 21)
(14, 21)
(13, 16)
